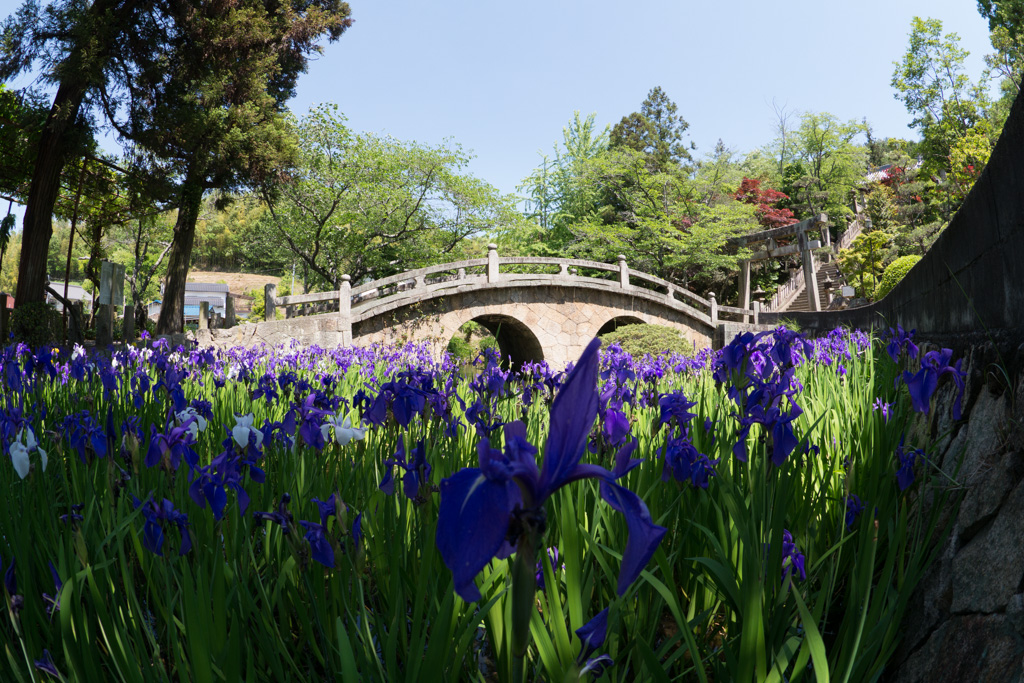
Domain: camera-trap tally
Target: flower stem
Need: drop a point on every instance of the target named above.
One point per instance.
(524, 589)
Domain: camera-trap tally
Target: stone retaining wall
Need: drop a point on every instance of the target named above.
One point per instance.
(966, 618)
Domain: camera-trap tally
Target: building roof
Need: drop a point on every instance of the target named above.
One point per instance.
(205, 287)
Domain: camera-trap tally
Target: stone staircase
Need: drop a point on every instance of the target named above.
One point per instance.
(801, 302)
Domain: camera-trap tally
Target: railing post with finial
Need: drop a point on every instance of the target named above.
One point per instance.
(345, 312)
(492, 263)
(714, 310)
(623, 272)
(757, 312)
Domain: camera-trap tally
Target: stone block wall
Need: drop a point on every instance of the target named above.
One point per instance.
(966, 618)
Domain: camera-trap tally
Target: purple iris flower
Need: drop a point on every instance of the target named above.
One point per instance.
(47, 666)
(906, 460)
(539, 574)
(685, 463)
(615, 428)
(52, 602)
(792, 558)
(886, 408)
(900, 341)
(171, 447)
(592, 636)
(417, 472)
(853, 509)
(479, 505)
(157, 514)
(283, 517)
(924, 383)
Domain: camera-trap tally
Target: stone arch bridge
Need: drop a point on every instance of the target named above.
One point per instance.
(537, 308)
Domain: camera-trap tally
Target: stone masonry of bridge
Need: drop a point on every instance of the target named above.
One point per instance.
(544, 315)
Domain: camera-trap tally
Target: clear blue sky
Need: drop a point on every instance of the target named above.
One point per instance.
(502, 79)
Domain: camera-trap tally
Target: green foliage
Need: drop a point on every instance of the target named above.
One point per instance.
(649, 340)
(36, 324)
(371, 206)
(558, 191)
(460, 349)
(863, 262)
(895, 272)
(667, 224)
(489, 342)
(656, 131)
(258, 312)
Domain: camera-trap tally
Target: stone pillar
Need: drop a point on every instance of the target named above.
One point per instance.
(623, 272)
(204, 315)
(492, 263)
(76, 319)
(229, 312)
(745, 288)
(757, 312)
(270, 301)
(345, 312)
(462, 274)
(810, 271)
(4, 319)
(714, 309)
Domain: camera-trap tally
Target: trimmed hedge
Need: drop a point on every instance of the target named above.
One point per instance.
(648, 340)
(893, 273)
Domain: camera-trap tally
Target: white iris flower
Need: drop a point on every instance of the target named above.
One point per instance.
(343, 429)
(240, 432)
(20, 448)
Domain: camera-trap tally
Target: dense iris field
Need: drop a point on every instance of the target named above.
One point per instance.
(369, 514)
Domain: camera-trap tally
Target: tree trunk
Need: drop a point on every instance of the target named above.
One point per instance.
(172, 309)
(43, 193)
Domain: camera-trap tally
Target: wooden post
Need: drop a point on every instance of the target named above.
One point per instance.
(204, 315)
(492, 263)
(714, 310)
(623, 272)
(4, 318)
(270, 301)
(745, 287)
(345, 312)
(128, 324)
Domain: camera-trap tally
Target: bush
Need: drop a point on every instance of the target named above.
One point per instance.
(259, 303)
(893, 273)
(36, 324)
(642, 340)
(489, 343)
(460, 350)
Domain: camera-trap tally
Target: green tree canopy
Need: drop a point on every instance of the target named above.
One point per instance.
(371, 206)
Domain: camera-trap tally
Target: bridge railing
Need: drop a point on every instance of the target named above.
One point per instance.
(413, 284)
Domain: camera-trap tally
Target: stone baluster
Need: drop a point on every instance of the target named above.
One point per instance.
(714, 309)
(623, 272)
(345, 312)
(462, 274)
(492, 263)
(270, 301)
(563, 270)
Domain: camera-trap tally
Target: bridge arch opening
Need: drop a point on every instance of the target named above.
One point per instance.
(517, 343)
(618, 322)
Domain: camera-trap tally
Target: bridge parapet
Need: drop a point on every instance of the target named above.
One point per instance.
(404, 288)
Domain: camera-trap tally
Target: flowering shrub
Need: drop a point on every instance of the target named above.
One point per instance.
(192, 514)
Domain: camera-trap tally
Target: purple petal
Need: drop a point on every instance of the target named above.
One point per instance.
(471, 526)
(572, 414)
(644, 534)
